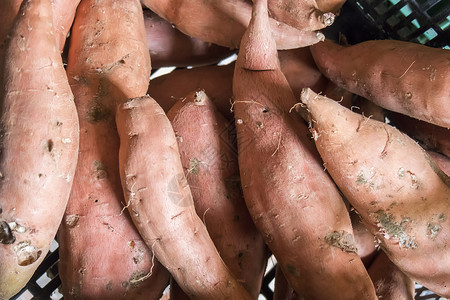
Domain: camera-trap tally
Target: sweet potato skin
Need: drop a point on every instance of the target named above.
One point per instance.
(304, 15)
(280, 173)
(430, 137)
(404, 77)
(210, 162)
(39, 145)
(390, 283)
(282, 289)
(224, 22)
(216, 81)
(403, 199)
(101, 253)
(161, 206)
(297, 65)
(63, 15)
(170, 47)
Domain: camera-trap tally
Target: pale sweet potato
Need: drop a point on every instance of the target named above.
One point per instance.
(210, 162)
(39, 145)
(399, 191)
(404, 77)
(224, 22)
(63, 14)
(102, 256)
(285, 186)
(161, 206)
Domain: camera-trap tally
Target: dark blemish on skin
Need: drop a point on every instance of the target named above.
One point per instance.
(49, 145)
(292, 270)
(96, 201)
(265, 110)
(58, 123)
(100, 170)
(97, 113)
(360, 179)
(6, 235)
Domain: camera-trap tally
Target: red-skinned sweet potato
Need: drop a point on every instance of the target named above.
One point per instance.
(102, 256)
(39, 130)
(282, 289)
(404, 77)
(170, 47)
(224, 22)
(390, 283)
(441, 160)
(364, 240)
(431, 137)
(210, 162)
(304, 15)
(300, 70)
(161, 206)
(297, 65)
(216, 81)
(285, 186)
(330, 5)
(399, 191)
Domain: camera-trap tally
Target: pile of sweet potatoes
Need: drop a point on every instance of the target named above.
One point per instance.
(332, 159)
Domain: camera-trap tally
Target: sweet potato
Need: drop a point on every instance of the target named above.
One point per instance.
(399, 191)
(330, 5)
(304, 15)
(63, 14)
(364, 240)
(216, 81)
(441, 160)
(300, 70)
(224, 22)
(39, 145)
(282, 289)
(297, 65)
(390, 283)
(337, 93)
(101, 253)
(170, 47)
(404, 77)
(429, 136)
(161, 206)
(210, 162)
(285, 186)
